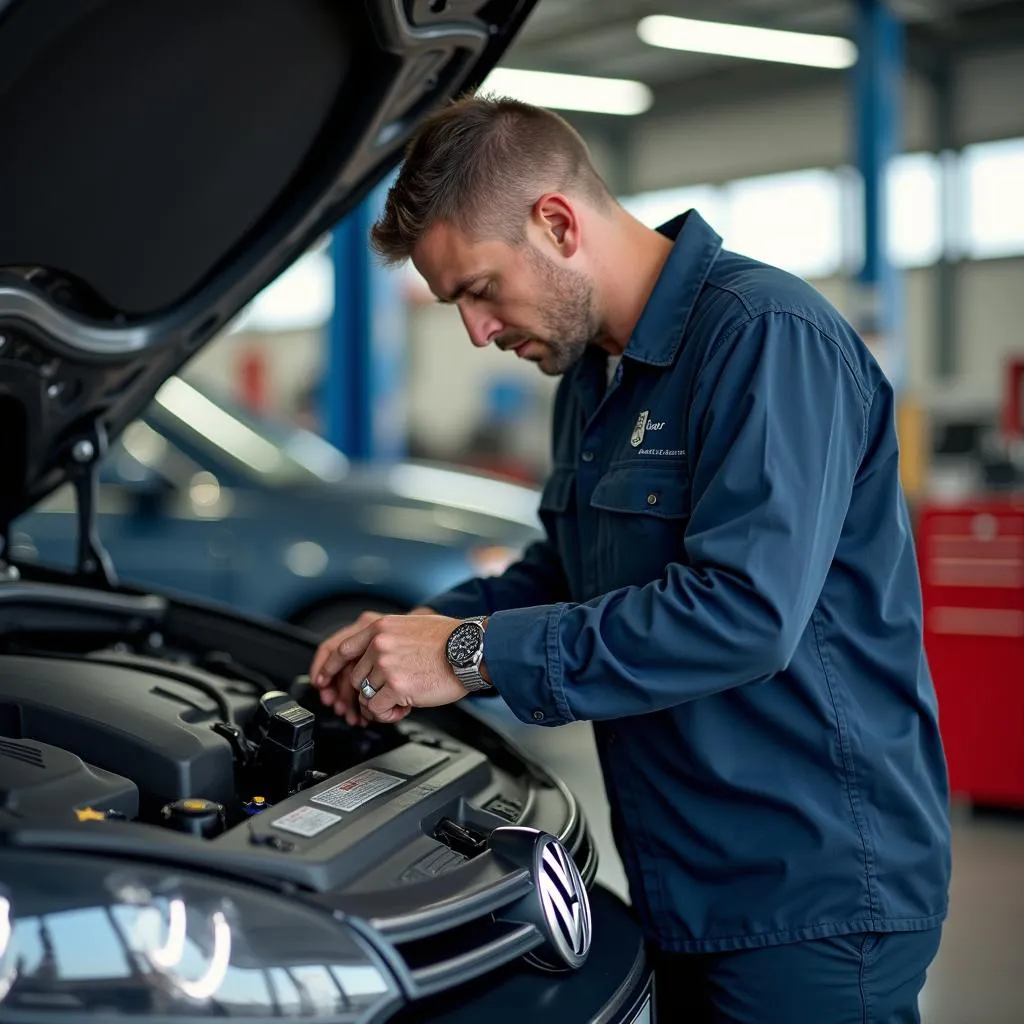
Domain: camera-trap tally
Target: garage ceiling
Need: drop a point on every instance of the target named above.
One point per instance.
(598, 37)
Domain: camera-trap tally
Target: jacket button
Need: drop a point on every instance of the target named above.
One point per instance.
(588, 456)
(652, 499)
(538, 716)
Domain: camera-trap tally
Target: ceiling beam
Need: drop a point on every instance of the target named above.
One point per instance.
(739, 83)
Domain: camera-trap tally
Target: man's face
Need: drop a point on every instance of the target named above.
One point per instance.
(515, 296)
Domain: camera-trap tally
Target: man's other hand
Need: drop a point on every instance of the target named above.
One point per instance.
(343, 698)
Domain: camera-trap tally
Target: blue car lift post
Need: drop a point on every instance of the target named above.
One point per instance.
(362, 397)
(877, 88)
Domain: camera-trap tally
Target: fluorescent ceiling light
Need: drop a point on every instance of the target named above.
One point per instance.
(744, 41)
(570, 92)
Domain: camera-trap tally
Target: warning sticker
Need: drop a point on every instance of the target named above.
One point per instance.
(306, 821)
(356, 791)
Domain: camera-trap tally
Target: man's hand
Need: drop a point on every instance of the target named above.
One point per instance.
(403, 656)
(342, 697)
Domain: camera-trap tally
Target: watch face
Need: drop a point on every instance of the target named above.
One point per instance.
(464, 643)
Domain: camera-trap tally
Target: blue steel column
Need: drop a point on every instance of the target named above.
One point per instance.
(877, 96)
(362, 398)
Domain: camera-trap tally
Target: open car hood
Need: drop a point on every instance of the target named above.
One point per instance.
(164, 162)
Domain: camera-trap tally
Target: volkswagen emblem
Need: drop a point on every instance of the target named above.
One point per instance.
(557, 905)
(564, 904)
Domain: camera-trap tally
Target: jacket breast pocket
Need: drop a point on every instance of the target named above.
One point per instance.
(642, 514)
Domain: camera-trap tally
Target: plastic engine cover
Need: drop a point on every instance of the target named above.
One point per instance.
(129, 720)
(40, 782)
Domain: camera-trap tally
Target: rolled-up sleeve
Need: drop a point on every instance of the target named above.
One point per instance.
(778, 423)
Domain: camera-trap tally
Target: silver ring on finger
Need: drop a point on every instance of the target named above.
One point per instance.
(366, 688)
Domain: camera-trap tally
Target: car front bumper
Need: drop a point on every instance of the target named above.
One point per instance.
(615, 986)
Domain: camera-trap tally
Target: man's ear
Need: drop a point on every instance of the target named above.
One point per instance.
(558, 221)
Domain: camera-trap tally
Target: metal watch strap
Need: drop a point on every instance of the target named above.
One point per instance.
(470, 676)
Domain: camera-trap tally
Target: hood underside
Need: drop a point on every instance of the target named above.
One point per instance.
(163, 162)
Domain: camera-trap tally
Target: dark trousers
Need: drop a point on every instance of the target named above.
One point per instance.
(850, 979)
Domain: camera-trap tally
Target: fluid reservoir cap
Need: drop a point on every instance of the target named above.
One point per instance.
(89, 814)
(255, 805)
(195, 816)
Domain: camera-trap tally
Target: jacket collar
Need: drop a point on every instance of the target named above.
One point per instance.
(660, 329)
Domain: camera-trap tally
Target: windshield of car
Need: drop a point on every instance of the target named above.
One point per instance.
(265, 450)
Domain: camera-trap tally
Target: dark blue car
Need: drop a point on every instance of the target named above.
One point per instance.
(201, 497)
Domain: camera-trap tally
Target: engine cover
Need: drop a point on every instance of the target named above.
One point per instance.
(42, 782)
(151, 724)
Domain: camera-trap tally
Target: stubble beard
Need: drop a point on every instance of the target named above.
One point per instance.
(568, 314)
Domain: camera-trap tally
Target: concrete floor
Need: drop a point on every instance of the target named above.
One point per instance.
(978, 976)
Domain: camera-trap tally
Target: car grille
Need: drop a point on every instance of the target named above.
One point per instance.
(454, 945)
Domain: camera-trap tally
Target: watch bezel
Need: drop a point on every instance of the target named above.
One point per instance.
(473, 658)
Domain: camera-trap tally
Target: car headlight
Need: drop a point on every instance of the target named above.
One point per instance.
(82, 936)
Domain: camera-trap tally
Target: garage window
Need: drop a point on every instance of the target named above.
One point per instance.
(992, 176)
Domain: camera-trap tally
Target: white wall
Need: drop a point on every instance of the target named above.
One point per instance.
(448, 378)
(990, 97)
(989, 329)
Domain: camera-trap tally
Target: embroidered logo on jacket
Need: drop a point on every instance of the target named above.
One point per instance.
(637, 438)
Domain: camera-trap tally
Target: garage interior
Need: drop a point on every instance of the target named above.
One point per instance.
(873, 147)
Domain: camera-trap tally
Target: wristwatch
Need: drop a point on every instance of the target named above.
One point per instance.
(465, 652)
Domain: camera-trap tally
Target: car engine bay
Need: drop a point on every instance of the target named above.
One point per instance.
(124, 709)
(191, 744)
(152, 737)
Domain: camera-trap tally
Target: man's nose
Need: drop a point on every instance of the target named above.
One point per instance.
(480, 326)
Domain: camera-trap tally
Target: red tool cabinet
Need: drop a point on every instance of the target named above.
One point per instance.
(972, 571)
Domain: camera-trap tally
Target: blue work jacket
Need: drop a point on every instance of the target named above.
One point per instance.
(729, 592)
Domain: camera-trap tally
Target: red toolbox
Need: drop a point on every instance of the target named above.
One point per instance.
(972, 572)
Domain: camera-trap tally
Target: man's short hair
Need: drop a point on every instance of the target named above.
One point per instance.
(481, 163)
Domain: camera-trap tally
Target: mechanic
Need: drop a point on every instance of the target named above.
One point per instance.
(727, 589)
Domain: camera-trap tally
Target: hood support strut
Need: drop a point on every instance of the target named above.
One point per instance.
(86, 452)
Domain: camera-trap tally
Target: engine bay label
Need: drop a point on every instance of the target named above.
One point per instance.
(306, 821)
(357, 790)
